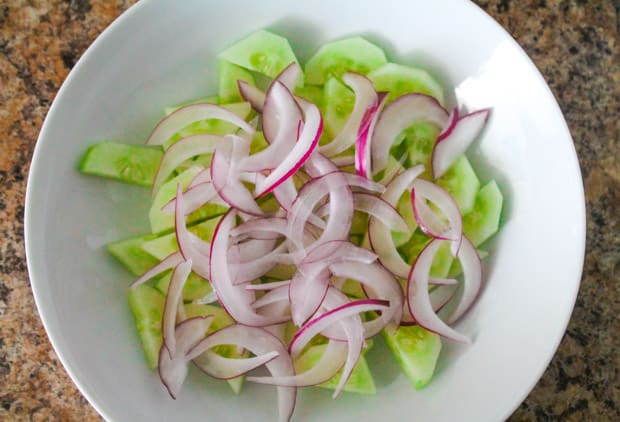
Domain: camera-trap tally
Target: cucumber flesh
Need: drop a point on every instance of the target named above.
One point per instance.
(416, 350)
(483, 221)
(263, 52)
(419, 140)
(135, 164)
(312, 93)
(129, 252)
(258, 143)
(161, 221)
(162, 246)
(397, 80)
(221, 320)
(229, 74)
(196, 287)
(339, 103)
(147, 307)
(360, 381)
(462, 183)
(212, 126)
(333, 59)
(405, 209)
(442, 261)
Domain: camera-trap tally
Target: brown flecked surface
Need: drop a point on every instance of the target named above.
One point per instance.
(573, 42)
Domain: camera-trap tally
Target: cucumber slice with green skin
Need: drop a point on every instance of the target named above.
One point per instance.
(416, 350)
(333, 59)
(221, 319)
(161, 221)
(360, 381)
(135, 164)
(398, 79)
(483, 220)
(196, 287)
(229, 74)
(263, 52)
(462, 183)
(417, 242)
(162, 246)
(213, 99)
(338, 105)
(312, 93)
(359, 224)
(147, 307)
(129, 252)
(212, 126)
(455, 268)
(353, 288)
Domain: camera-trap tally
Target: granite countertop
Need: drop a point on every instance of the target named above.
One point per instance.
(574, 43)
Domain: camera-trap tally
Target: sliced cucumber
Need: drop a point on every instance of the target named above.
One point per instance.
(419, 140)
(221, 319)
(406, 211)
(333, 59)
(212, 126)
(359, 225)
(258, 142)
(162, 246)
(312, 93)
(360, 381)
(398, 80)
(147, 307)
(229, 74)
(416, 350)
(136, 164)
(263, 52)
(462, 183)
(196, 287)
(483, 221)
(353, 288)
(443, 258)
(456, 269)
(129, 252)
(161, 221)
(338, 105)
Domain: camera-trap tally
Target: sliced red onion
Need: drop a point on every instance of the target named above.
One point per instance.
(278, 294)
(253, 95)
(230, 188)
(173, 297)
(184, 116)
(259, 342)
(268, 286)
(305, 145)
(393, 171)
(227, 368)
(195, 197)
(236, 300)
(320, 323)
(250, 250)
(426, 190)
(472, 279)
(456, 142)
(429, 221)
(418, 298)
(208, 299)
(378, 283)
(452, 119)
(332, 360)
(282, 114)
(203, 176)
(182, 151)
(442, 281)
(440, 297)
(344, 161)
(245, 272)
(364, 136)
(365, 98)
(173, 368)
(168, 262)
(379, 234)
(401, 113)
(281, 308)
(190, 246)
(375, 207)
(306, 293)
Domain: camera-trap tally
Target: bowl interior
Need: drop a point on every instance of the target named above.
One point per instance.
(160, 53)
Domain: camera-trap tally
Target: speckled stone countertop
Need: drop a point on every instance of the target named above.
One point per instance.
(573, 42)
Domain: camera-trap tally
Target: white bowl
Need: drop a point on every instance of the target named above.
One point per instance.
(163, 52)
